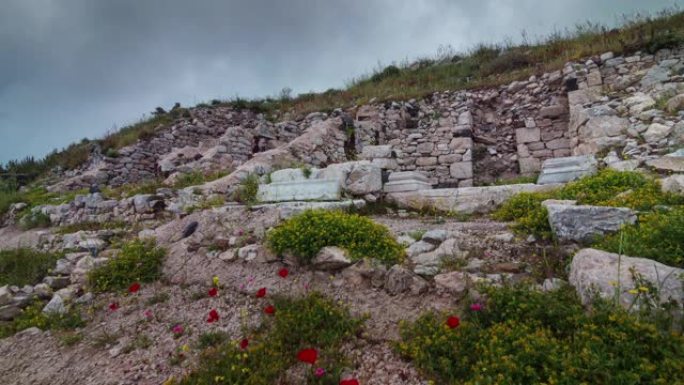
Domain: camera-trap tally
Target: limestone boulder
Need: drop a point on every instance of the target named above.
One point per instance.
(596, 272)
(583, 223)
(331, 258)
(673, 184)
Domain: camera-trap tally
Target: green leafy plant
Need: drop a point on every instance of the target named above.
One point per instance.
(25, 266)
(138, 261)
(658, 236)
(522, 336)
(247, 191)
(310, 322)
(33, 316)
(607, 188)
(306, 234)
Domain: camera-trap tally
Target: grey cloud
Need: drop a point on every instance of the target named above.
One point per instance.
(75, 68)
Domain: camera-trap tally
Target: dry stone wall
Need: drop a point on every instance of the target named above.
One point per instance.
(457, 138)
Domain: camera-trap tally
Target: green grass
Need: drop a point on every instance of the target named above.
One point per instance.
(306, 234)
(33, 196)
(607, 188)
(25, 266)
(523, 336)
(33, 316)
(247, 190)
(310, 322)
(196, 178)
(658, 235)
(138, 261)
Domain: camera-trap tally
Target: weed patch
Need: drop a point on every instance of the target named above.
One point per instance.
(25, 266)
(138, 261)
(307, 233)
(521, 336)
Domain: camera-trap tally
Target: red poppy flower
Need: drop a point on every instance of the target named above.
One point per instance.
(135, 286)
(351, 381)
(261, 293)
(113, 306)
(283, 272)
(269, 310)
(308, 355)
(213, 292)
(453, 322)
(213, 316)
(244, 343)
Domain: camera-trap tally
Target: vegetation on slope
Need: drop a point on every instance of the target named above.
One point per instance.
(524, 336)
(659, 234)
(306, 234)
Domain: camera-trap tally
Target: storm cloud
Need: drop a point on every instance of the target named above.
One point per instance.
(77, 68)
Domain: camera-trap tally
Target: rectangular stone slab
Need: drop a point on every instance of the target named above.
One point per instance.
(316, 189)
(464, 200)
(566, 169)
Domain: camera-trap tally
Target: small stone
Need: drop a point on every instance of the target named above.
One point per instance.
(398, 280)
(5, 295)
(55, 306)
(331, 258)
(435, 237)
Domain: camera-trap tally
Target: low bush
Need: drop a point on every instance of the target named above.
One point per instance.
(658, 235)
(138, 261)
(25, 266)
(33, 220)
(306, 234)
(33, 316)
(247, 190)
(312, 322)
(521, 336)
(607, 188)
(196, 178)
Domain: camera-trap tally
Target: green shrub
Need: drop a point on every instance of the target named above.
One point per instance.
(196, 178)
(526, 337)
(33, 316)
(247, 191)
(607, 188)
(658, 236)
(309, 322)
(33, 220)
(138, 261)
(307, 233)
(25, 266)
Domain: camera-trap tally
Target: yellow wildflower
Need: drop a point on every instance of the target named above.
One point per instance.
(185, 348)
(643, 289)
(612, 283)
(633, 291)
(215, 280)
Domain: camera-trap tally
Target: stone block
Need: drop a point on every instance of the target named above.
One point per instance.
(594, 271)
(461, 170)
(425, 148)
(563, 170)
(527, 135)
(462, 143)
(372, 152)
(426, 161)
(583, 223)
(406, 181)
(315, 189)
(552, 111)
(529, 165)
(557, 144)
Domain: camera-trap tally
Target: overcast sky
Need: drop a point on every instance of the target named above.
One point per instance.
(71, 69)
